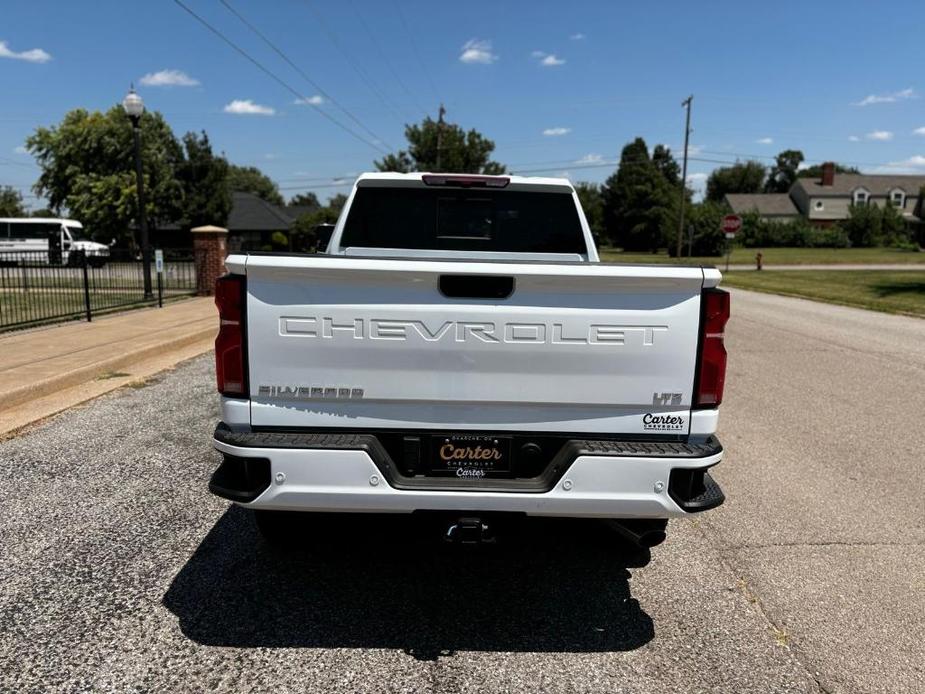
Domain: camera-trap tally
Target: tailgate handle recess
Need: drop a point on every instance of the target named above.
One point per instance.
(476, 286)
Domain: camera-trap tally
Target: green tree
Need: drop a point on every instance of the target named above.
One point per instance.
(666, 164)
(784, 172)
(637, 201)
(204, 179)
(592, 202)
(864, 225)
(88, 167)
(304, 228)
(11, 203)
(250, 179)
(459, 151)
(709, 239)
(304, 200)
(815, 171)
(741, 177)
(336, 203)
(893, 227)
(42, 212)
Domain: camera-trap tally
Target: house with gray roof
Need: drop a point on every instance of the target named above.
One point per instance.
(828, 199)
(768, 205)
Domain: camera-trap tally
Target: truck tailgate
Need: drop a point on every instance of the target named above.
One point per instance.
(373, 343)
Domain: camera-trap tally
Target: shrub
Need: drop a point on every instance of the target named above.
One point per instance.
(279, 241)
(709, 239)
(798, 233)
(870, 225)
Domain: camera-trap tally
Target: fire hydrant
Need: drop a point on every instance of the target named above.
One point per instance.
(758, 260)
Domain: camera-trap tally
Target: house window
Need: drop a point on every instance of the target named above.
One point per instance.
(860, 197)
(898, 198)
(818, 206)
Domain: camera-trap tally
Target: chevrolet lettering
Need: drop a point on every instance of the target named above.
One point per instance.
(468, 331)
(459, 349)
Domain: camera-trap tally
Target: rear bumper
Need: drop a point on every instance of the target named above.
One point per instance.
(351, 473)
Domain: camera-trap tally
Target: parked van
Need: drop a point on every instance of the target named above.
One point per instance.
(38, 238)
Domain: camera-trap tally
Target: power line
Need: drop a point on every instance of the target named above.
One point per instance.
(414, 48)
(301, 72)
(9, 162)
(385, 58)
(332, 37)
(277, 79)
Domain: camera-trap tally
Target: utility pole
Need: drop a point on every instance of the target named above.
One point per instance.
(687, 132)
(442, 113)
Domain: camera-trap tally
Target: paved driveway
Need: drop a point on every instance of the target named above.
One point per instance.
(120, 572)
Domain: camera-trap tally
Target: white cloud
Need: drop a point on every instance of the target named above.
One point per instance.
(901, 95)
(556, 132)
(548, 59)
(697, 182)
(880, 135)
(577, 37)
(35, 55)
(692, 150)
(916, 162)
(913, 165)
(919, 131)
(168, 78)
(765, 141)
(590, 159)
(477, 51)
(315, 100)
(552, 60)
(21, 150)
(854, 138)
(247, 107)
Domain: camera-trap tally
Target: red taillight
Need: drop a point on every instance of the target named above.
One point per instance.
(711, 362)
(465, 181)
(229, 345)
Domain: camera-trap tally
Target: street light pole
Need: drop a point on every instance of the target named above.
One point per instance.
(687, 132)
(134, 107)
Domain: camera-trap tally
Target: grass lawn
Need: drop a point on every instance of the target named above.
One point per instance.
(880, 290)
(779, 256)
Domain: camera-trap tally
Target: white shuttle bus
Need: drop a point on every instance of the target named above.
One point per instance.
(46, 239)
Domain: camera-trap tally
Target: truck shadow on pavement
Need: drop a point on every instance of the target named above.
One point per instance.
(388, 582)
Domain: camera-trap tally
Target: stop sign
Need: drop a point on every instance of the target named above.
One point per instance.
(732, 223)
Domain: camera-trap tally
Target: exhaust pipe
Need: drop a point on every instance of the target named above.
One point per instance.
(642, 532)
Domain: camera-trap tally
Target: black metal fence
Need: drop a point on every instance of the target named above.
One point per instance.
(36, 288)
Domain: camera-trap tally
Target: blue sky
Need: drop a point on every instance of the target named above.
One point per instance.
(560, 87)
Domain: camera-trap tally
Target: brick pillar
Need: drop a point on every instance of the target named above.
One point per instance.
(210, 246)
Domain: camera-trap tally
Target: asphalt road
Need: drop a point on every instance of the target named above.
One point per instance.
(120, 572)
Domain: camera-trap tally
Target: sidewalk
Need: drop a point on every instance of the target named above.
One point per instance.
(911, 267)
(46, 370)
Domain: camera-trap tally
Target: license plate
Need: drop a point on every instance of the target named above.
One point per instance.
(470, 456)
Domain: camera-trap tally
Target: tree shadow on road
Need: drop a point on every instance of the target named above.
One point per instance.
(386, 582)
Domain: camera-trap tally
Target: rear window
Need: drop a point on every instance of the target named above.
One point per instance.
(464, 220)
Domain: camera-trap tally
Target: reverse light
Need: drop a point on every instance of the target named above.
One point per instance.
(465, 181)
(229, 345)
(711, 362)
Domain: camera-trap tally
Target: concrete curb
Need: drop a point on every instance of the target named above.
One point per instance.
(90, 372)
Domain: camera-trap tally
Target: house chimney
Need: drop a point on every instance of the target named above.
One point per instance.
(828, 173)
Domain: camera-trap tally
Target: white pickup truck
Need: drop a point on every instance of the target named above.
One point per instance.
(458, 348)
